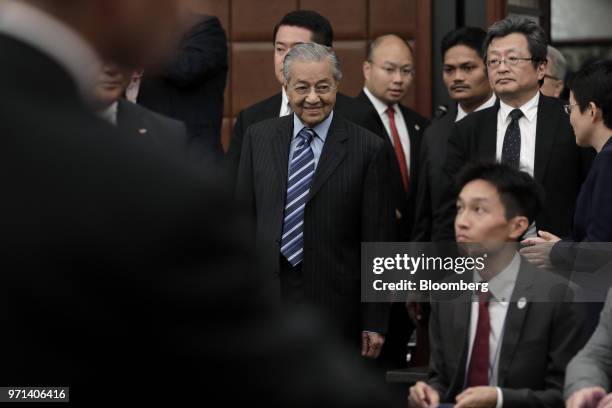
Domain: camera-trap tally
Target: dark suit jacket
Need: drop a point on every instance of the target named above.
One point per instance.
(366, 116)
(538, 342)
(560, 165)
(121, 265)
(348, 204)
(433, 181)
(583, 251)
(167, 134)
(192, 85)
(267, 109)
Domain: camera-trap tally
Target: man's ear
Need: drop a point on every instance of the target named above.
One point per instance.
(518, 226)
(367, 67)
(541, 70)
(595, 112)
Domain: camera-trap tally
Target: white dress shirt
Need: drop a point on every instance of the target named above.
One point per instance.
(400, 123)
(501, 287)
(527, 125)
(110, 113)
(53, 38)
(285, 106)
(462, 114)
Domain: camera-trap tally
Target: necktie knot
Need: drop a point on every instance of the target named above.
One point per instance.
(484, 297)
(390, 111)
(516, 114)
(306, 135)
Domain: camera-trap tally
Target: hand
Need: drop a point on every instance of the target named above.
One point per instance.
(477, 397)
(538, 250)
(423, 396)
(586, 398)
(371, 344)
(415, 311)
(606, 402)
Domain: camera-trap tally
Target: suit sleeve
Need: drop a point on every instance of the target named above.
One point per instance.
(245, 186)
(444, 217)
(377, 226)
(592, 366)
(438, 377)
(566, 338)
(202, 53)
(423, 217)
(235, 147)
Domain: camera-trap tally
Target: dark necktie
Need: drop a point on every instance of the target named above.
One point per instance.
(399, 150)
(478, 369)
(301, 173)
(511, 149)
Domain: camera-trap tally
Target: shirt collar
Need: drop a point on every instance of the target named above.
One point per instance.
(501, 285)
(380, 106)
(110, 113)
(461, 113)
(285, 107)
(54, 38)
(529, 109)
(321, 129)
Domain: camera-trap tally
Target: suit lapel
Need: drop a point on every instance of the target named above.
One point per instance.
(461, 325)
(272, 108)
(333, 153)
(515, 318)
(280, 149)
(487, 145)
(373, 117)
(546, 127)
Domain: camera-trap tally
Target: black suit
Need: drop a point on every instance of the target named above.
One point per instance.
(120, 265)
(366, 116)
(433, 181)
(267, 109)
(167, 134)
(192, 85)
(348, 203)
(559, 167)
(538, 341)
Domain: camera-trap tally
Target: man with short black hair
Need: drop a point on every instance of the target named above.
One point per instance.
(508, 346)
(465, 76)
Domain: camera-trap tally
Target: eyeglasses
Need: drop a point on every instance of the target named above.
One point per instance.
(568, 108)
(320, 89)
(551, 77)
(510, 61)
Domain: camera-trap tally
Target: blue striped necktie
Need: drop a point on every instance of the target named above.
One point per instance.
(301, 173)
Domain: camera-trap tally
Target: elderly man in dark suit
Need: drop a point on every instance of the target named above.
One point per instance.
(317, 186)
(509, 345)
(465, 76)
(526, 129)
(297, 27)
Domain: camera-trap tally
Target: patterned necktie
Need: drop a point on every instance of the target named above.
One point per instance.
(399, 150)
(478, 369)
(511, 149)
(301, 173)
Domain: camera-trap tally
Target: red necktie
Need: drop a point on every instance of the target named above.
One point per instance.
(478, 370)
(399, 150)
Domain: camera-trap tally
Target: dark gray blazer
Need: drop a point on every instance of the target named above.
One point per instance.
(538, 342)
(349, 203)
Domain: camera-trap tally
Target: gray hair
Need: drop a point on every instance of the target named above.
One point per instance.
(557, 63)
(311, 52)
(536, 38)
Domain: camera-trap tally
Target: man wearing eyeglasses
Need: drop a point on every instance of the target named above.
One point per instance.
(317, 186)
(526, 130)
(556, 68)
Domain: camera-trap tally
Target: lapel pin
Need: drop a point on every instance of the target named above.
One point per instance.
(142, 131)
(417, 127)
(522, 302)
